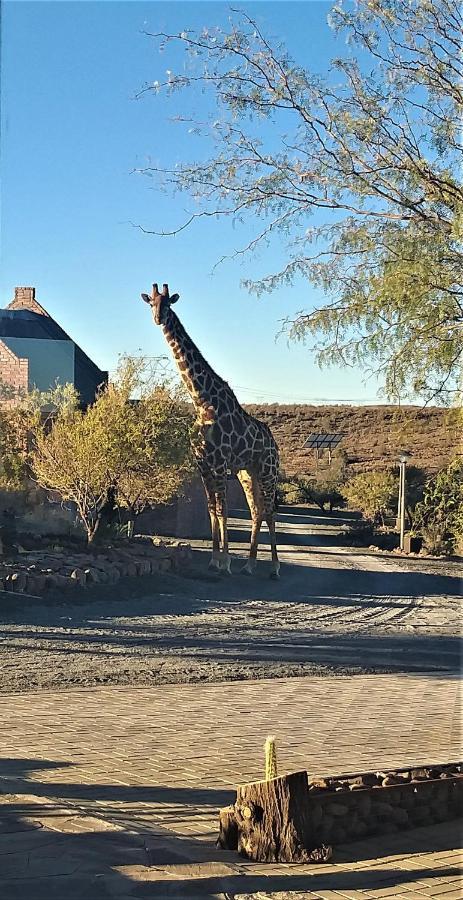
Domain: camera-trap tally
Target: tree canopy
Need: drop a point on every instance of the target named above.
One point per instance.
(359, 171)
(130, 447)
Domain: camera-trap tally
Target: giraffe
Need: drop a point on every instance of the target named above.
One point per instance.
(225, 439)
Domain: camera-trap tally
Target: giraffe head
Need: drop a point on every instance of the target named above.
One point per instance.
(160, 303)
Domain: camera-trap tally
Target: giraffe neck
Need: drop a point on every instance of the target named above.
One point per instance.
(202, 383)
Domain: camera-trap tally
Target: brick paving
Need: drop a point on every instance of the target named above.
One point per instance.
(159, 761)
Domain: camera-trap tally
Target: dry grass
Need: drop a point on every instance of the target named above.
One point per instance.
(373, 434)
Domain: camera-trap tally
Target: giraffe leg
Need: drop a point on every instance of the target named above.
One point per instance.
(209, 487)
(222, 513)
(269, 488)
(254, 499)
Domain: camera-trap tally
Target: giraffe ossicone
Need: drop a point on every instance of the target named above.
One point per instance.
(226, 439)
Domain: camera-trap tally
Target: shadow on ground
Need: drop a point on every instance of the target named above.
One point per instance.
(47, 852)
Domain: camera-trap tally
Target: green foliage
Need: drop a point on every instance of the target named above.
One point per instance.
(12, 453)
(439, 516)
(148, 450)
(67, 458)
(17, 423)
(271, 770)
(374, 152)
(415, 482)
(324, 487)
(131, 447)
(373, 493)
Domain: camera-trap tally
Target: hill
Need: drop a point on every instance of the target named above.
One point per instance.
(373, 434)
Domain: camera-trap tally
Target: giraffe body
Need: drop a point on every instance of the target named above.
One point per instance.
(226, 440)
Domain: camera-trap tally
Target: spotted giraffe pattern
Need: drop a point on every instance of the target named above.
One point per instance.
(225, 439)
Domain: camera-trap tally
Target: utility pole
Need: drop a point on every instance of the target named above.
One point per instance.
(403, 459)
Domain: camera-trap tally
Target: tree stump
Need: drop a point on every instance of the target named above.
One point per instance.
(270, 822)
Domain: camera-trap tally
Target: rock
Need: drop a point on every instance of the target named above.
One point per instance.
(18, 582)
(400, 816)
(55, 580)
(336, 809)
(79, 576)
(419, 775)
(318, 783)
(326, 828)
(360, 829)
(92, 576)
(440, 812)
(380, 808)
(364, 804)
(369, 780)
(316, 815)
(339, 835)
(392, 779)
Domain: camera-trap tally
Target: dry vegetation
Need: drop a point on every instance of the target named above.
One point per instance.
(373, 434)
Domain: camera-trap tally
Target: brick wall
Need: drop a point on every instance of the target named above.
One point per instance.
(14, 372)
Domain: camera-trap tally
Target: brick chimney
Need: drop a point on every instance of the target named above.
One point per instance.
(24, 294)
(24, 298)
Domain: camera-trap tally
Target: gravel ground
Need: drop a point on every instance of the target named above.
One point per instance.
(334, 611)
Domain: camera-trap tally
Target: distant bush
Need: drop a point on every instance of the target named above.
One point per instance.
(373, 493)
(323, 489)
(439, 516)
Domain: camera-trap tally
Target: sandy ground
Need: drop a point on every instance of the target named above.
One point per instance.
(334, 610)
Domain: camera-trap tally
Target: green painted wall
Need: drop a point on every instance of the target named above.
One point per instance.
(49, 361)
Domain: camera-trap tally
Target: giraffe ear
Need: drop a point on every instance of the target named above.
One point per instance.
(146, 298)
(174, 298)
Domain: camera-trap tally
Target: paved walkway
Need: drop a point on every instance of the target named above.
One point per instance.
(159, 761)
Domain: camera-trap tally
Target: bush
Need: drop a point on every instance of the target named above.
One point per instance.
(129, 449)
(438, 517)
(320, 490)
(373, 493)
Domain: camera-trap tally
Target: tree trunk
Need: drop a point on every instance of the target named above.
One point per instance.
(92, 530)
(270, 822)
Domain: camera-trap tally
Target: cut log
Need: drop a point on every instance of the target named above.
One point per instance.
(270, 822)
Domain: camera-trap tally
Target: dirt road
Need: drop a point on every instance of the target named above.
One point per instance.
(334, 610)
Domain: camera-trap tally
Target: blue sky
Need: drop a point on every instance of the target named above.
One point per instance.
(72, 134)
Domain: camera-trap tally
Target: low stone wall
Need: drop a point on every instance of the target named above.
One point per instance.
(295, 819)
(40, 571)
(350, 807)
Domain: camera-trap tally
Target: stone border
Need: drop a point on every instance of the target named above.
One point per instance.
(349, 807)
(292, 818)
(37, 572)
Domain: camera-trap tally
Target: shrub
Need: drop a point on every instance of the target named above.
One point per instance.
(373, 493)
(439, 516)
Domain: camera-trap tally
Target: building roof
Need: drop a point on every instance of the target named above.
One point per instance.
(25, 318)
(24, 323)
